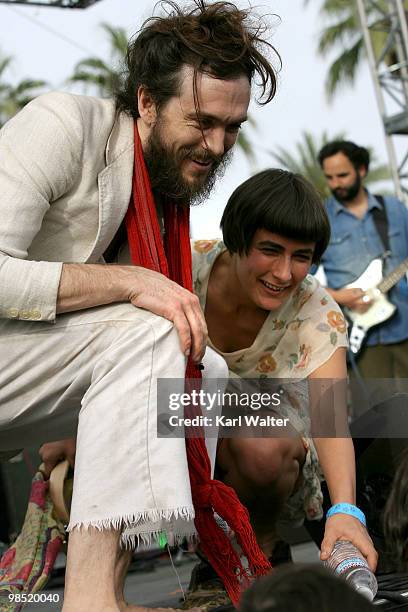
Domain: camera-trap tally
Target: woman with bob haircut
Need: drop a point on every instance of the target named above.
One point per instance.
(270, 319)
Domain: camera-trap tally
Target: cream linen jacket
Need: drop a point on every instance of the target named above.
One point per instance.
(66, 164)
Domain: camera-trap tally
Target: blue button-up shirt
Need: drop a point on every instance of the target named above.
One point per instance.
(355, 243)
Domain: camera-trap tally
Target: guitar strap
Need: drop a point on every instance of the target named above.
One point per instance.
(381, 222)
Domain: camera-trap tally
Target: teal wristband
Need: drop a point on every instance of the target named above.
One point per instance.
(347, 509)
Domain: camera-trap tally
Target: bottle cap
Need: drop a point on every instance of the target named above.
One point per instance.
(365, 591)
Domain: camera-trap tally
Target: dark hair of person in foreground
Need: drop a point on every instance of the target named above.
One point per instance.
(396, 515)
(278, 201)
(216, 38)
(303, 588)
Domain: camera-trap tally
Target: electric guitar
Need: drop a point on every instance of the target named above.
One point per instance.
(375, 287)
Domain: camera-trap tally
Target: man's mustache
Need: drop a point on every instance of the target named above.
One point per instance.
(203, 158)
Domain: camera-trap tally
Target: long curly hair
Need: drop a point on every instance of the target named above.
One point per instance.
(218, 39)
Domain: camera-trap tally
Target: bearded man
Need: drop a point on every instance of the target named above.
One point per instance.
(84, 182)
(366, 227)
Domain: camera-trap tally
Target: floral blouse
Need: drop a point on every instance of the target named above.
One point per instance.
(293, 342)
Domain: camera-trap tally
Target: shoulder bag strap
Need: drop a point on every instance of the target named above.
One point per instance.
(381, 222)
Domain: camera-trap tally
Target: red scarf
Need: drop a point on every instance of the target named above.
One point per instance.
(209, 496)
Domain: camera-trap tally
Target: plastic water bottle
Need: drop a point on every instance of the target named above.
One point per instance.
(348, 562)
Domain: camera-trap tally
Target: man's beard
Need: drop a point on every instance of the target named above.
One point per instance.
(166, 177)
(346, 194)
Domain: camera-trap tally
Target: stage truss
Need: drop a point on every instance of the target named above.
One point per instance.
(390, 78)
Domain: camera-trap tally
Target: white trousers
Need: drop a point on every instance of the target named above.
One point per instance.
(96, 372)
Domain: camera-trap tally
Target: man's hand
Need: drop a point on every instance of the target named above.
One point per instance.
(88, 285)
(345, 527)
(355, 299)
(155, 292)
(54, 452)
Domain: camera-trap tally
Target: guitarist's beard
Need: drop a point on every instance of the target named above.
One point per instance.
(346, 194)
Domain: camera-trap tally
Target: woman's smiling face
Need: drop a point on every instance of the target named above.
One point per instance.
(274, 267)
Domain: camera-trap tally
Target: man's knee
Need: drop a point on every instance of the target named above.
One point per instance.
(112, 315)
(139, 330)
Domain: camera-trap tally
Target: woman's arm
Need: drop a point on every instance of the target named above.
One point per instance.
(336, 456)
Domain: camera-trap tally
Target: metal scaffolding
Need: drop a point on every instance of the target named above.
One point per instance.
(389, 71)
(71, 4)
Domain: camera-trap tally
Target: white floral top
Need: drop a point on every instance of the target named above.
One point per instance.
(292, 343)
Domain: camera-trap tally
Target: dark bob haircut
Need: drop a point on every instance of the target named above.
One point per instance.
(218, 39)
(358, 156)
(280, 202)
(302, 588)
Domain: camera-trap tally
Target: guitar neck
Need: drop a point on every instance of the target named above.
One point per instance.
(389, 281)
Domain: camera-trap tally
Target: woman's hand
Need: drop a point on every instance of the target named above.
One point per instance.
(344, 527)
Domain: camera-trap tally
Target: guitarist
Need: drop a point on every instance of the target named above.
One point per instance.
(365, 227)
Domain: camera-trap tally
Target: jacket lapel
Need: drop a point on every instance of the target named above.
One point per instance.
(114, 184)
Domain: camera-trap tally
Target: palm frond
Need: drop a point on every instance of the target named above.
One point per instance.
(304, 160)
(95, 63)
(94, 71)
(14, 97)
(344, 69)
(246, 147)
(338, 34)
(5, 63)
(118, 39)
(377, 174)
(88, 78)
(27, 85)
(343, 33)
(287, 160)
(338, 8)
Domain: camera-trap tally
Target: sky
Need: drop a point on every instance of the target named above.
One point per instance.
(46, 43)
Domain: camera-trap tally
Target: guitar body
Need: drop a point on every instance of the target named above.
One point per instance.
(380, 310)
(370, 278)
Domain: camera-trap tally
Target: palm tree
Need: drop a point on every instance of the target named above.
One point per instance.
(14, 97)
(304, 162)
(93, 71)
(245, 144)
(343, 33)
